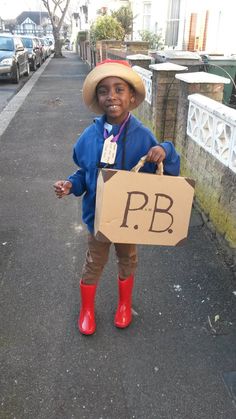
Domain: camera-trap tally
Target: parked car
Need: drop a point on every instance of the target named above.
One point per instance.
(51, 44)
(48, 46)
(13, 58)
(45, 48)
(42, 49)
(33, 47)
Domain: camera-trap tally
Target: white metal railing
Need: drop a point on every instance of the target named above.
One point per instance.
(213, 126)
(146, 76)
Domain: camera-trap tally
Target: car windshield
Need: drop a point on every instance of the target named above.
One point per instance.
(6, 44)
(28, 43)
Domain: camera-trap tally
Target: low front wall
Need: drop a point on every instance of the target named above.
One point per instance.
(215, 189)
(116, 54)
(112, 49)
(208, 156)
(144, 112)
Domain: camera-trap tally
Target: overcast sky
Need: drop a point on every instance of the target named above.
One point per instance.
(10, 9)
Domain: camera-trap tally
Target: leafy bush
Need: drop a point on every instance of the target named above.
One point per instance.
(81, 36)
(155, 40)
(106, 27)
(124, 15)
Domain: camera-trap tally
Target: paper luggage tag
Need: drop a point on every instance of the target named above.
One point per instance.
(109, 151)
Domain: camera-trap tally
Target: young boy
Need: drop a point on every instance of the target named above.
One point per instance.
(112, 89)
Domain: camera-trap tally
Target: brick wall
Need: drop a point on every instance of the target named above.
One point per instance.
(111, 49)
(215, 192)
(167, 117)
(161, 115)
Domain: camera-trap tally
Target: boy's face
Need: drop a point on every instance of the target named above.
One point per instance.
(115, 97)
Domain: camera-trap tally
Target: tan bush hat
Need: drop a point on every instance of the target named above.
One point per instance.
(112, 68)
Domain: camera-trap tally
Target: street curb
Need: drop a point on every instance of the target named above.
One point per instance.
(14, 104)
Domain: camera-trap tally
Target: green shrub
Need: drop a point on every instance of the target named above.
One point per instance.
(106, 27)
(155, 40)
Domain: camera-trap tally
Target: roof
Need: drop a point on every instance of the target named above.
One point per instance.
(36, 17)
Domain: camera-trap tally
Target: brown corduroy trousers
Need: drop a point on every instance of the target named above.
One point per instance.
(97, 257)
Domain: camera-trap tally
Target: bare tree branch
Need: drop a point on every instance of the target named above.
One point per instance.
(56, 10)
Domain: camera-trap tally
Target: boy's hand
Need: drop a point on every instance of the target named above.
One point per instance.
(62, 188)
(156, 154)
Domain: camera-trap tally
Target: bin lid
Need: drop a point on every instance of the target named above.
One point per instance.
(220, 59)
(177, 54)
(202, 77)
(139, 57)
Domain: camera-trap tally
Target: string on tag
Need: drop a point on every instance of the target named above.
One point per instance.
(116, 137)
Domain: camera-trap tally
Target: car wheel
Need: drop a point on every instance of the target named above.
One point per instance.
(27, 71)
(34, 66)
(15, 75)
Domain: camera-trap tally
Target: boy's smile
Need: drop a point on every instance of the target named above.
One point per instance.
(114, 97)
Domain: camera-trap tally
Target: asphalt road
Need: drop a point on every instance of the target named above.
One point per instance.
(8, 89)
(177, 360)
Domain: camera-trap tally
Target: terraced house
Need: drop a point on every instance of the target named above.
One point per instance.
(37, 23)
(182, 24)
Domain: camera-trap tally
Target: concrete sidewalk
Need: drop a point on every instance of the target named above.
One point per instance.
(176, 361)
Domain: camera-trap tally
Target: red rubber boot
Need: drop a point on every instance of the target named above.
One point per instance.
(86, 320)
(123, 315)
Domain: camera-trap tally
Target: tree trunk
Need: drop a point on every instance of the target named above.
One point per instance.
(58, 43)
(58, 6)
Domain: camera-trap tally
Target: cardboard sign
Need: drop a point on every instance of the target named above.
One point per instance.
(142, 208)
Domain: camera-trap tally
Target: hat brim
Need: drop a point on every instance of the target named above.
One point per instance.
(111, 70)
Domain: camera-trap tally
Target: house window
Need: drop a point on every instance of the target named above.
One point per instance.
(172, 27)
(147, 16)
(28, 27)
